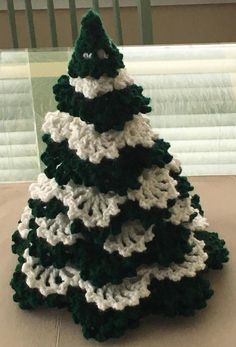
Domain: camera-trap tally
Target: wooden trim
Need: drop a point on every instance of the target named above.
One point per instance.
(12, 22)
(30, 22)
(60, 4)
(145, 21)
(52, 22)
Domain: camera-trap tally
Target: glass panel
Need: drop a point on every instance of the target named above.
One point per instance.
(46, 67)
(19, 160)
(193, 92)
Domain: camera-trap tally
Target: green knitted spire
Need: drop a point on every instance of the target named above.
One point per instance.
(95, 54)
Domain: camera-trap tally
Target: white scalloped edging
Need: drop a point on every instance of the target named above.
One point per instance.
(199, 223)
(93, 146)
(115, 296)
(133, 238)
(23, 226)
(91, 87)
(157, 187)
(96, 209)
(92, 207)
(181, 211)
(56, 230)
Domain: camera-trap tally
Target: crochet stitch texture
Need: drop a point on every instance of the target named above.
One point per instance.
(112, 231)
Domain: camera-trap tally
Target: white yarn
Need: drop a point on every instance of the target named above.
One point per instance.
(157, 187)
(181, 211)
(44, 279)
(23, 226)
(92, 207)
(96, 209)
(45, 189)
(117, 297)
(58, 124)
(174, 165)
(91, 87)
(56, 230)
(199, 223)
(91, 145)
(132, 238)
(94, 146)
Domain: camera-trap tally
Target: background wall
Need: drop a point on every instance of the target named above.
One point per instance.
(171, 25)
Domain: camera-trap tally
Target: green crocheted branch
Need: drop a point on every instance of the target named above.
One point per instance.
(109, 175)
(109, 111)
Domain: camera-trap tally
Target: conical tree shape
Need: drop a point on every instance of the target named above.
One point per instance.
(111, 229)
(95, 54)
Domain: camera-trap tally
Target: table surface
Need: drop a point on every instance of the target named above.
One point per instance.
(212, 327)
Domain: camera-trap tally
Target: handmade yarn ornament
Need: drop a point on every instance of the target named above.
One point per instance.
(112, 230)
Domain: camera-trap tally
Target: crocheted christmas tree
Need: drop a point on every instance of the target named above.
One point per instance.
(111, 230)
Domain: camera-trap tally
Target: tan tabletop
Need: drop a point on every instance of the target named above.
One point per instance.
(214, 326)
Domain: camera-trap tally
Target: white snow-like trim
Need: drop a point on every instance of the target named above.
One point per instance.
(23, 226)
(56, 230)
(133, 238)
(199, 223)
(174, 165)
(115, 296)
(96, 209)
(181, 211)
(157, 187)
(91, 87)
(93, 146)
(92, 207)
(58, 125)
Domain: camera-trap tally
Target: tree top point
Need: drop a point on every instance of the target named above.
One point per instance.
(95, 54)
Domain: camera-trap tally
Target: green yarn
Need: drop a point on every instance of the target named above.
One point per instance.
(108, 111)
(167, 298)
(128, 211)
(115, 175)
(48, 209)
(183, 186)
(195, 202)
(28, 298)
(19, 245)
(93, 39)
(217, 253)
(113, 109)
(96, 265)
(95, 55)
(170, 244)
